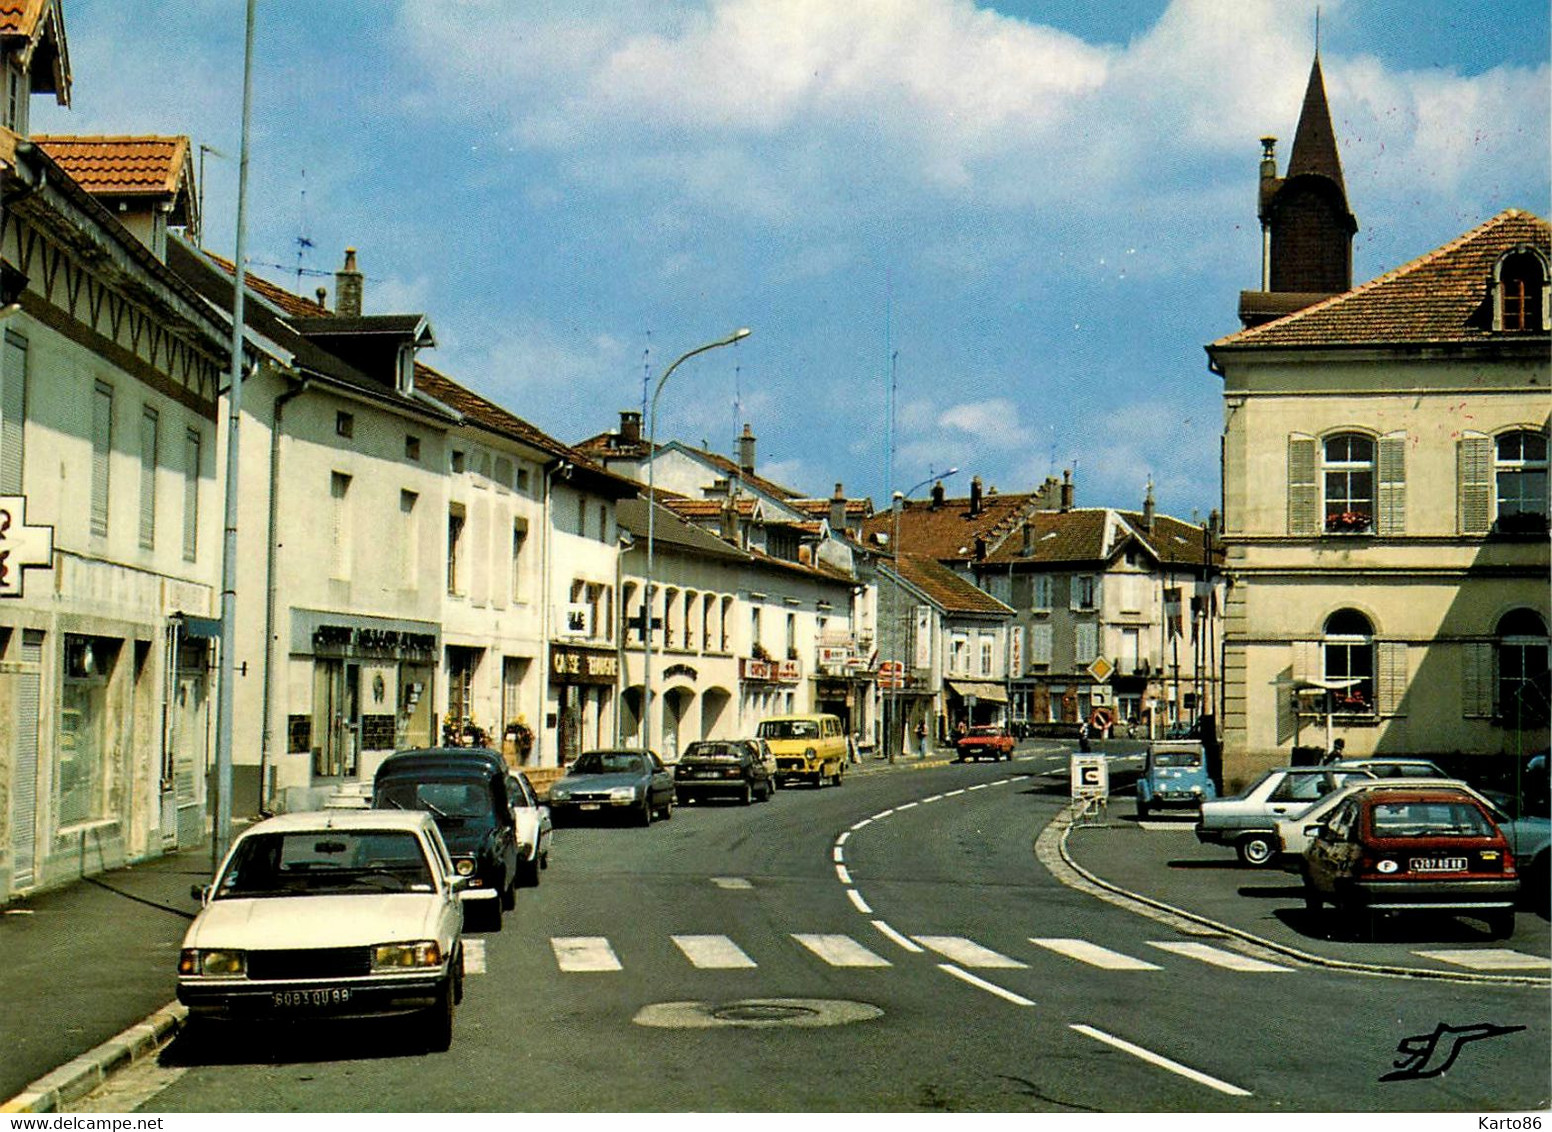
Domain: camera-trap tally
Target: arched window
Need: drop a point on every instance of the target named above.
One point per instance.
(1520, 476)
(1348, 473)
(1348, 648)
(1521, 281)
(1522, 668)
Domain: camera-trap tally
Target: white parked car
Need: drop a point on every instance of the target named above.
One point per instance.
(334, 914)
(1294, 832)
(1248, 820)
(534, 829)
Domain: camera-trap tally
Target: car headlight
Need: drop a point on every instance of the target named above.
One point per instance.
(559, 793)
(218, 964)
(622, 794)
(406, 956)
(465, 866)
(1197, 790)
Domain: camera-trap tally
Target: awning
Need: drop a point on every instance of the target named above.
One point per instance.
(986, 693)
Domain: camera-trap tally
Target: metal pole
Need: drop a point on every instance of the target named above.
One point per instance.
(223, 822)
(646, 616)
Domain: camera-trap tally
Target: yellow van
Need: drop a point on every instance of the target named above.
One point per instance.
(809, 748)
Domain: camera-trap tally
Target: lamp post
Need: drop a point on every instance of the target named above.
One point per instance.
(897, 674)
(646, 604)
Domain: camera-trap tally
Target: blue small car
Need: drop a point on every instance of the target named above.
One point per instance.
(1174, 776)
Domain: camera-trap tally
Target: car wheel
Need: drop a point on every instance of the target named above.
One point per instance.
(439, 1020)
(509, 892)
(494, 919)
(644, 817)
(668, 809)
(1142, 809)
(528, 872)
(1256, 850)
(1500, 924)
(1312, 898)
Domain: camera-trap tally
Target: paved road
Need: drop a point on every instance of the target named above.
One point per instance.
(892, 945)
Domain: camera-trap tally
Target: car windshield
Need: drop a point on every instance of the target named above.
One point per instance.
(1176, 758)
(325, 862)
(609, 762)
(718, 751)
(456, 798)
(1429, 819)
(789, 729)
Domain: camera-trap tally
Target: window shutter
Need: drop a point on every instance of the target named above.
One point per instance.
(1306, 661)
(1475, 468)
(13, 414)
(102, 446)
(1391, 519)
(1477, 680)
(148, 445)
(191, 450)
(1040, 643)
(1086, 642)
(1391, 668)
(1303, 496)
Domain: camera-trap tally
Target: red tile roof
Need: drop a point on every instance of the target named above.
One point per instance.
(122, 166)
(20, 17)
(1441, 297)
(949, 530)
(947, 589)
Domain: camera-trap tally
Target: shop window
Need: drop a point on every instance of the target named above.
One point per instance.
(81, 751)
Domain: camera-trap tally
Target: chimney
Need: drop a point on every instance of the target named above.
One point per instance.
(746, 451)
(980, 548)
(630, 427)
(323, 298)
(975, 496)
(347, 287)
(838, 510)
(1067, 489)
(1267, 189)
(728, 520)
(1029, 540)
(1147, 509)
(937, 495)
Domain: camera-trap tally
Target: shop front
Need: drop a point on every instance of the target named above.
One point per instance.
(580, 712)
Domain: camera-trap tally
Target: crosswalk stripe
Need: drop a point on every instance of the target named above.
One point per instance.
(713, 952)
(1095, 955)
(474, 957)
(584, 953)
(966, 952)
(1488, 958)
(841, 951)
(1218, 957)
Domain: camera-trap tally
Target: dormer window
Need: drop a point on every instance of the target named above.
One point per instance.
(1520, 291)
(16, 100)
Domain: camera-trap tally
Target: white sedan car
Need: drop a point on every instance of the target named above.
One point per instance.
(534, 829)
(1295, 832)
(336, 914)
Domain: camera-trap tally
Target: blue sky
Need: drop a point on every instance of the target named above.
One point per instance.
(1041, 211)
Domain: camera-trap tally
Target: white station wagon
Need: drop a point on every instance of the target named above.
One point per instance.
(337, 914)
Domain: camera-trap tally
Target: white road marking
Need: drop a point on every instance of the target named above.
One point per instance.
(842, 875)
(1161, 1061)
(933, 798)
(584, 953)
(979, 786)
(841, 840)
(896, 937)
(1000, 992)
(954, 793)
(1218, 957)
(859, 824)
(736, 883)
(1488, 958)
(712, 952)
(841, 951)
(856, 898)
(882, 814)
(474, 957)
(1095, 955)
(837, 854)
(1156, 825)
(966, 951)
(906, 806)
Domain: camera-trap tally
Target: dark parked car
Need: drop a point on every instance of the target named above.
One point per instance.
(723, 768)
(466, 790)
(1412, 850)
(631, 781)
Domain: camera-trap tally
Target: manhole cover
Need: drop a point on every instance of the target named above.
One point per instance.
(756, 1013)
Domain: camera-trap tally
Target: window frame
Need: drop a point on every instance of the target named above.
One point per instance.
(1350, 519)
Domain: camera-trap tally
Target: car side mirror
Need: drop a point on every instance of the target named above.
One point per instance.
(200, 892)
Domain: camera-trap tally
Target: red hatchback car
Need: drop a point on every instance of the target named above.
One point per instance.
(1433, 849)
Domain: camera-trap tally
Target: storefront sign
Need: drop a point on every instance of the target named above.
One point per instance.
(770, 671)
(22, 547)
(361, 640)
(583, 666)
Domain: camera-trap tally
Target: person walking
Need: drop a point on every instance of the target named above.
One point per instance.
(921, 738)
(1083, 737)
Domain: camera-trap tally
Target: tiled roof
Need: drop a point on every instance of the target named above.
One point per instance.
(745, 505)
(486, 413)
(733, 472)
(857, 510)
(945, 588)
(949, 530)
(121, 166)
(1441, 297)
(20, 17)
(284, 300)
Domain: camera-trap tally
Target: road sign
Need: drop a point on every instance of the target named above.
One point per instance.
(1101, 669)
(1090, 776)
(891, 675)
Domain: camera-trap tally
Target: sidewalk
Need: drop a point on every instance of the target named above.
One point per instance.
(86, 962)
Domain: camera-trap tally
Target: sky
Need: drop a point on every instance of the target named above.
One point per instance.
(1009, 226)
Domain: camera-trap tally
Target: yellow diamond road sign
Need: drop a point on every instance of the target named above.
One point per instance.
(1101, 669)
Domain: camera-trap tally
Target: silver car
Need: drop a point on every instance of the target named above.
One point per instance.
(336, 914)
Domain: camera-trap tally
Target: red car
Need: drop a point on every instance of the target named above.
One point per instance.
(1432, 849)
(984, 743)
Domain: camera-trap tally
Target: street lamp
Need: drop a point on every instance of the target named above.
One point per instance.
(646, 604)
(896, 674)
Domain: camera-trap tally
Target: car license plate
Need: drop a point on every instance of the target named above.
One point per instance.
(592, 805)
(1438, 864)
(303, 999)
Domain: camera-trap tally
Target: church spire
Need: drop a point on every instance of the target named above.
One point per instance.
(1314, 142)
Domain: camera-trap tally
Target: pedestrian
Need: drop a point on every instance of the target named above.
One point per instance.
(1338, 751)
(921, 737)
(1083, 737)
(960, 730)
(851, 747)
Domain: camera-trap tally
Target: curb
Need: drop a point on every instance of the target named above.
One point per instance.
(1063, 823)
(76, 1078)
